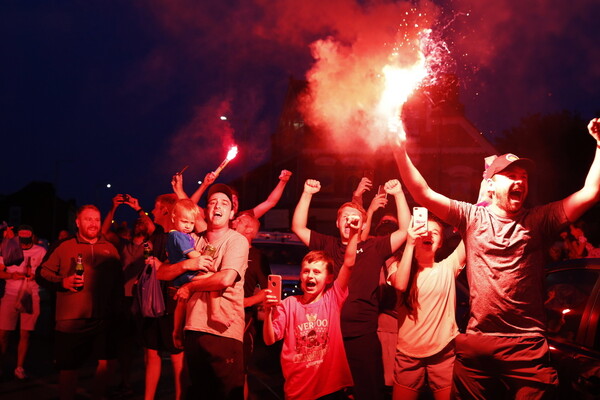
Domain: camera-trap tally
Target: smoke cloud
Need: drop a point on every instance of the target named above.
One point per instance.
(510, 58)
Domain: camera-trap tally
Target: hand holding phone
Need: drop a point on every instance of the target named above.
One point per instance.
(420, 216)
(381, 190)
(274, 285)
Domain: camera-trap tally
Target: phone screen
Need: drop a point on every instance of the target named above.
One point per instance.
(381, 190)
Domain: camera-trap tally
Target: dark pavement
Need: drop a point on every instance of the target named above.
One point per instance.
(265, 380)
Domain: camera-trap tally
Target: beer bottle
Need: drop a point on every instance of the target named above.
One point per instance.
(147, 251)
(79, 270)
(209, 250)
(28, 268)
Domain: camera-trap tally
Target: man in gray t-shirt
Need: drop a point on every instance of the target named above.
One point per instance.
(504, 349)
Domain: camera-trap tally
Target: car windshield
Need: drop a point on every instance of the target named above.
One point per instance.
(282, 253)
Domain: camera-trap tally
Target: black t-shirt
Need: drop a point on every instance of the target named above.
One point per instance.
(361, 309)
(159, 250)
(257, 272)
(159, 243)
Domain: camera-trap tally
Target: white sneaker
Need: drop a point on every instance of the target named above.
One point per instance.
(20, 373)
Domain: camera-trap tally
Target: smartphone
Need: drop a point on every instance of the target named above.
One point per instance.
(369, 173)
(381, 190)
(275, 285)
(420, 216)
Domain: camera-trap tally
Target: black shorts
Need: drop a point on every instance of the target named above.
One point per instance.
(215, 366)
(82, 340)
(157, 334)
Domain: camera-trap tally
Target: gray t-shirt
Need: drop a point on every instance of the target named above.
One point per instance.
(505, 266)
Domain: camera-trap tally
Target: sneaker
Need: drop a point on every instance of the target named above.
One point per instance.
(20, 373)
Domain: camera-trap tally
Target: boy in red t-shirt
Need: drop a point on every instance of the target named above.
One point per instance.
(313, 358)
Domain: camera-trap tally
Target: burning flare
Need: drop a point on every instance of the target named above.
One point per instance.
(400, 82)
(357, 91)
(230, 156)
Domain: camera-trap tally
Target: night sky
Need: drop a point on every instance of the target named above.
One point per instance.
(127, 93)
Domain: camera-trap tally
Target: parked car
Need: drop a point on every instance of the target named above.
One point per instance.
(284, 252)
(573, 307)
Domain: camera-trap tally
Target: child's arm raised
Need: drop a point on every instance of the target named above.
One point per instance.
(350, 255)
(399, 279)
(271, 301)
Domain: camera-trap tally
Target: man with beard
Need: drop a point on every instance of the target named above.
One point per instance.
(86, 305)
(504, 352)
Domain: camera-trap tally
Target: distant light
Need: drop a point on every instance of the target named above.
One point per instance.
(566, 311)
(223, 118)
(108, 185)
(199, 182)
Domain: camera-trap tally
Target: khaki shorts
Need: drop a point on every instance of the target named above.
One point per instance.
(410, 372)
(9, 314)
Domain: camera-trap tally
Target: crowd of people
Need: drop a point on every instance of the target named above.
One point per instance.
(336, 345)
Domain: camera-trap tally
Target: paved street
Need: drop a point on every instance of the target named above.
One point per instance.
(265, 379)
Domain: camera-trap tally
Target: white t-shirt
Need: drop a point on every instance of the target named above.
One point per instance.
(435, 324)
(35, 254)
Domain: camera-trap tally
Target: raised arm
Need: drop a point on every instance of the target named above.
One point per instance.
(458, 258)
(135, 204)
(582, 200)
(364, 185)
(300, 218)
(378, 201)
(417, 186)
(208, 180)
(108, 220)
(177, 185)
(268, 333)
(400, 270)
(394, 188)
(350, 254)
(275, 195)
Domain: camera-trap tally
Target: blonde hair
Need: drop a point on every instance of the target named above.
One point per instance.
(185, 206)
(355, 206)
